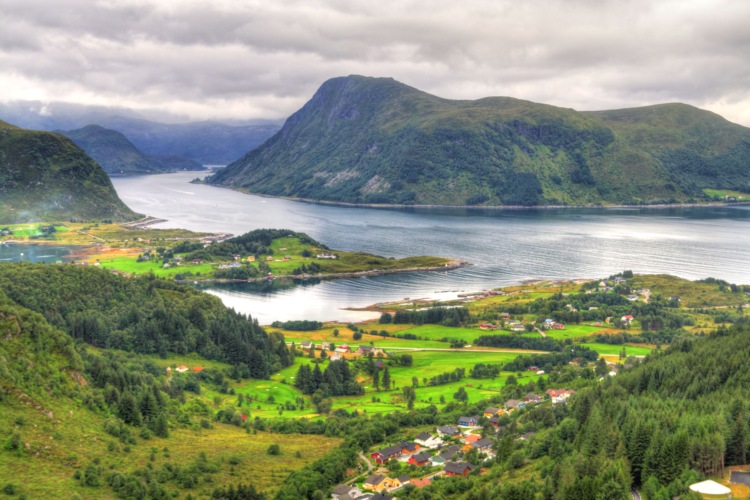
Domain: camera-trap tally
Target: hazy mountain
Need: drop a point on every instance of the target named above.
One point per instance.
(375, 140)
(206, 142)
(118, 156)
(46, 177)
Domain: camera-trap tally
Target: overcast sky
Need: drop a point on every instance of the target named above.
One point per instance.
(247, 59)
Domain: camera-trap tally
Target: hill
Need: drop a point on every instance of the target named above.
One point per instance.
(375, 140)
(118, 156)
(154, 133)
(45, 176)
(79, 421)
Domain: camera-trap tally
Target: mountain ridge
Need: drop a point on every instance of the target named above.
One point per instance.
(377, 141)
(118, 156)
(46, 177)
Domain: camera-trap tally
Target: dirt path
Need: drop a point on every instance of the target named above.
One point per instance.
(369, 467)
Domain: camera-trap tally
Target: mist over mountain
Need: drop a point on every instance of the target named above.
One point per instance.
(207, 142)
(118, 156)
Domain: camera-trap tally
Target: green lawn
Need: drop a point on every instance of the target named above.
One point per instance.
(573, 332)
(436, 332)
(613, 350)
(129, 264)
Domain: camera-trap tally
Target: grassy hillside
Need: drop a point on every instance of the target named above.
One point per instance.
(118, 156)
(44, 176)
(375, 140)
(60, 438)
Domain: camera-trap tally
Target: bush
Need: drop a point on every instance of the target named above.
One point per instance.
(274, 449)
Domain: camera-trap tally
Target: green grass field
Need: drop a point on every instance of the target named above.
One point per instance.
(573, 332)
(614, 350)
(129, 264)
(436, 332)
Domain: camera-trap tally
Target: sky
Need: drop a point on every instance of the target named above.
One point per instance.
(252, 59)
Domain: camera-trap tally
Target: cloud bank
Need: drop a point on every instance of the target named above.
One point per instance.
(261, 59)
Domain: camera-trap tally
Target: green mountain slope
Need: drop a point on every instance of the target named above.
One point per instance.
(375, 140)
(118, 156)
(44, 176)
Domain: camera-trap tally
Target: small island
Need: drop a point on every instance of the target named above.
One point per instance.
(262, 254)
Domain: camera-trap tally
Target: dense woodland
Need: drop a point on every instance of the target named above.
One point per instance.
(144, 315)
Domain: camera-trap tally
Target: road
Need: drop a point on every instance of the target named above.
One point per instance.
(634, 493)
(369, 467)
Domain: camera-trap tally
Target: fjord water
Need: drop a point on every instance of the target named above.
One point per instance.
(503, 246)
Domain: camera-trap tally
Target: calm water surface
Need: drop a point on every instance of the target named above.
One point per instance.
(504, 247)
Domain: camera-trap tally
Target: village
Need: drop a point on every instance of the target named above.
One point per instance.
(449, 451)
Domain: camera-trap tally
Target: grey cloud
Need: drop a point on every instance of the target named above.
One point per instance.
(269, 57)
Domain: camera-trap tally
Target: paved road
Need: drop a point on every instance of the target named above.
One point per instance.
(634, 493)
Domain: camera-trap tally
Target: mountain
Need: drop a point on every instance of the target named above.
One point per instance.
(45, 176)
(375, 140)
(118, 156)
(209, 143)
(153, 133)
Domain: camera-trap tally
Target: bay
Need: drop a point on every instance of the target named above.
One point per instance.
(504, 246)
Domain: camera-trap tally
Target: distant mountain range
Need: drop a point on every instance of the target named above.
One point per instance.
(45, 177)
(378, 141)
(118, 156)
(204, 142)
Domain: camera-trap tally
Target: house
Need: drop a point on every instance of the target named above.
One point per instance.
(518, 328)
(343, 348)
(533, 368)
(625, 320)
(378, 483)
(428, 441)
(345, 492)
(511, 404)
(269, 259)
(181, 369)
(559, 395)
(487, 326)
(404, 480)
(448, 430)
(472, 421)
(482, 444)
(525, 437)
(336, 356)
(251, 258)
(408, 448)
(379, 496)
(364, 350)
(558, 326)
(307, 345)
(197, 369)
(495, 421)
(386, 454)
(469, 440)
(326, 256)
(446, 455)
(420, 459)
(533, 398)
(491, 411)
(458, 468)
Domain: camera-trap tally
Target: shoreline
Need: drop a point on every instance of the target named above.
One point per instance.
(479, 207)
(455, 264)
